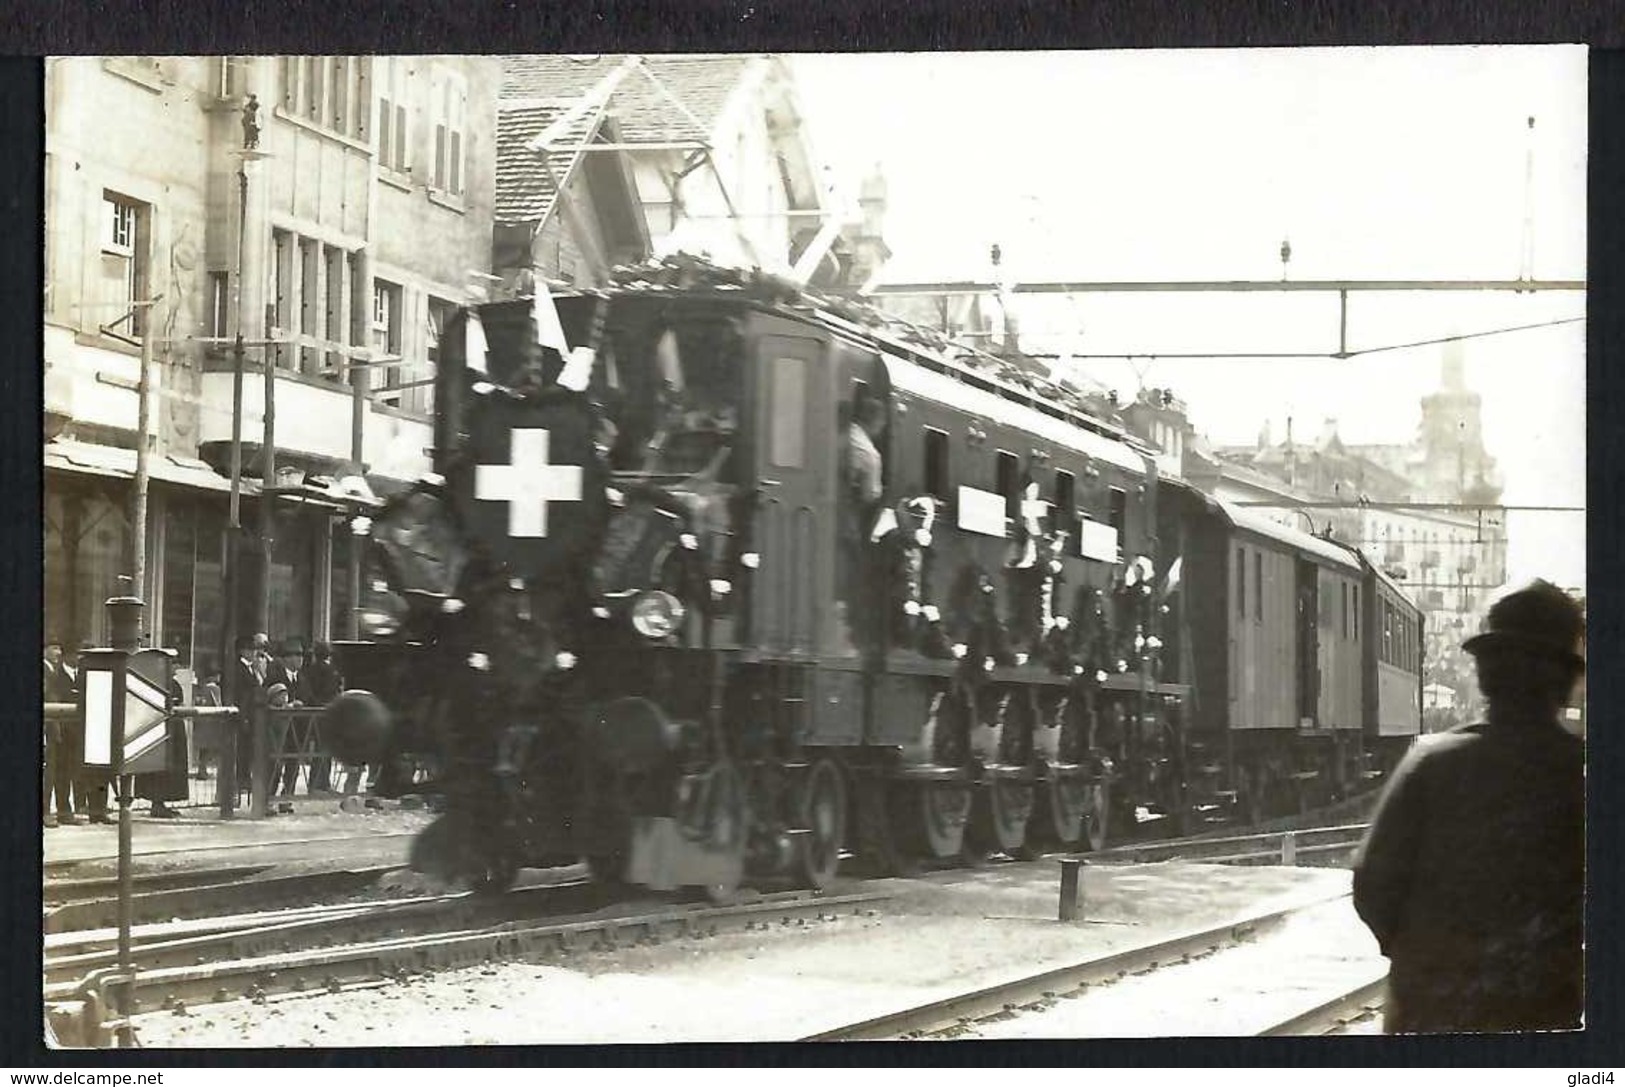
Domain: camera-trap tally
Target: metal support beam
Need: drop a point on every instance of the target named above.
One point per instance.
(1236, 286)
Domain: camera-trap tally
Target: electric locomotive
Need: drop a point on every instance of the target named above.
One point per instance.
(641, 616)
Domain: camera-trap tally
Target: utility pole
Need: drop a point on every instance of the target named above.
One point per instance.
(143, 431)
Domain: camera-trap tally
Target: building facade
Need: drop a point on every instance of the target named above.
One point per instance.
(330, 211)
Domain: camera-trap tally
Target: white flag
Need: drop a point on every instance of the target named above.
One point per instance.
(549, 332)
(1171, 582)
(577, 370)
(474, 346)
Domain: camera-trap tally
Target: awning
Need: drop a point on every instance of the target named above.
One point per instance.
(86, 458)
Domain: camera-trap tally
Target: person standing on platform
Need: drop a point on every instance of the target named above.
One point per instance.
(318, 684)
(59, 686)
(287, 735)
(247, 693)
(1472, 875)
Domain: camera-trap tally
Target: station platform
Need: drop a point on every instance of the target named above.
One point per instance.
(200, 837)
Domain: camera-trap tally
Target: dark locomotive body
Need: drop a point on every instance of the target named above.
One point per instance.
(718, 662)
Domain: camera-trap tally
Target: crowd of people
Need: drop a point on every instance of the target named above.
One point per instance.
(284, 675)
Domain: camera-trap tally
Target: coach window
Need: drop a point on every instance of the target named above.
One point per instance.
(936, 462)
(1119, 516)
(1355, 617)
(1006, 472)
(1258, 585)
(1343, 592)
(1065, 501)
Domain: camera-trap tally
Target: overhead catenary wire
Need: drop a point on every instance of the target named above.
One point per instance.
(1349, 354)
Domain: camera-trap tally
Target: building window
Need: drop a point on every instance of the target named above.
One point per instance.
(392, 123)
(323, 91)
(228, 78)
(386, 319)
(278, 310)
(448, 106)
(219, 304)
(123, 263)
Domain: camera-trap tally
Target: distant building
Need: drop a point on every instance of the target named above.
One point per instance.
(369, 191)
(1451, 558)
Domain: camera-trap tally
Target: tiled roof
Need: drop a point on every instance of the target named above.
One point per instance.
(642, 113)
(525, 192)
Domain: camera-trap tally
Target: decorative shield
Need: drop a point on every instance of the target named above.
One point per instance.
(531, 485)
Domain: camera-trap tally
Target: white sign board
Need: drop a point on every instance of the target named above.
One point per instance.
(1097, 541)
(981, 511)
(98, 717)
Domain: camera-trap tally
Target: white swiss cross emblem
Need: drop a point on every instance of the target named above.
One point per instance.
(527, 483)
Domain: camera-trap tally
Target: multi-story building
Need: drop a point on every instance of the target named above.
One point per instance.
(330, 211)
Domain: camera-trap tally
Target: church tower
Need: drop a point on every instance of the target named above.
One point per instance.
(1454, 462)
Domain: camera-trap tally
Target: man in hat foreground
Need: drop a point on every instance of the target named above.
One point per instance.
(1472, 876)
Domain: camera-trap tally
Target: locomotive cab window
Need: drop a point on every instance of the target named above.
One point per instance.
(788, 441)
(669, 381)
(1241, 582)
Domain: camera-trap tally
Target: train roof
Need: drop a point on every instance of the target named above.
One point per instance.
(1256, 523)
(687, 276)
(943, 388)
(1383, 579)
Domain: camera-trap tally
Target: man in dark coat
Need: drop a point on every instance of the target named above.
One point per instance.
(318, 684)
(59, 686)
(287, 735)
(247, 693)
(1472, 876)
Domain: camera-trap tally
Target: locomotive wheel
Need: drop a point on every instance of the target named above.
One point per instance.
(821, 808)
(999, 817)
(942, 809)
(1059, 813)
(1097, 815)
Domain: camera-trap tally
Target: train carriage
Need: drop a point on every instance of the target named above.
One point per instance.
(1391, 673)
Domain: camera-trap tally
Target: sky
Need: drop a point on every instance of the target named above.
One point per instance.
(1162, 164)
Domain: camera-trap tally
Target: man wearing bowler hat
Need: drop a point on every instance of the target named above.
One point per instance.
(1472, 876)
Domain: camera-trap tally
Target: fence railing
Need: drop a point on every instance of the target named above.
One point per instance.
(280, 754)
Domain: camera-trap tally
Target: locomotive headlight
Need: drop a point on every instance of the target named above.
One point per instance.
(656, 614)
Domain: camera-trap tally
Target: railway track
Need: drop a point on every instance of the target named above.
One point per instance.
(88, 904)
(1358, 1005)
(326, 949)
(1315, 845)
(957, 1015)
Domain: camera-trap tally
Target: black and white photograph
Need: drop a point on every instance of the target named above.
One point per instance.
(549, 549)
